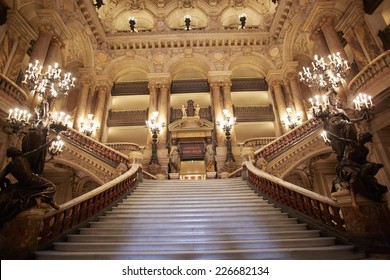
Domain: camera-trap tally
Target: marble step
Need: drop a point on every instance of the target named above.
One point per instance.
(334, 252)
(194, 246)
(191, 237)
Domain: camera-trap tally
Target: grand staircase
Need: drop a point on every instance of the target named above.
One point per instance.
(209, 219)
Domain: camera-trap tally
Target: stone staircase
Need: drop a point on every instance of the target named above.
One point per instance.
(209, 219)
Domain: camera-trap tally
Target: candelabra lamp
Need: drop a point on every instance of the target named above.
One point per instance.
(98, 3)
(227, 125)
(18, 119)
(291, 120)
(89, 126)
(155, 127)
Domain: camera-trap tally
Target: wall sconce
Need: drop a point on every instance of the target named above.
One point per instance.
(242, 19)
(132, 22)
(187, 20)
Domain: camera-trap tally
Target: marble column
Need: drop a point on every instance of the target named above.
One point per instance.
(299, 104)
(81, 102)
(335, 46)
(331, 37)
(41, 46)
(280, 104)
(102, 93)
(367, 41)
(320, 43)
(228, 104)
(152, 105)
(163, 109)
(358, 53)
(53, 54)
(38, 53)
(217, 105)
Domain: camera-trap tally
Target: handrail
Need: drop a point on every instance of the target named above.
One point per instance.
(314, 205)
(274, 148)
(96, 147)
(151, 176)
(74, 212)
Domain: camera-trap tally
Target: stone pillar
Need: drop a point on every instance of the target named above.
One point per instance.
(360, 57)
(53, 55)
(81, 102)
(152, 105)
(367, 41)
(99, 113)
(319, 41)
(39, 52)
(163, 108)
(280, 105)
(228, 104)
(335, 46)
(292, 79)
(216, 103)
(369, 224)
(41, 46)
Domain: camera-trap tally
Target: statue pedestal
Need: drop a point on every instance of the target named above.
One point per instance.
(369, 224)
(19, 237)
(224, 175)
(160, 176)
(174, 176)
(211, 175)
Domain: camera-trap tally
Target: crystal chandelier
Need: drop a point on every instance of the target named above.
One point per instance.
(89, 126)
(291, 120)
(325, 75)
(49, 85)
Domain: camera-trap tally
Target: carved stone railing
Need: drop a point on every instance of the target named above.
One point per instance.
(125, 147)
(124, 118)
(254, 113)
(376, 71)
(285, 142)
(12, 92)
(95, 148)
(318, 207)
(74, 212)
(204, 113)
(257, 143)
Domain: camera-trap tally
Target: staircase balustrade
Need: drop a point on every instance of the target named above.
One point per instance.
(314, 205)
(96, 148)
(84, 207)
(284, 142)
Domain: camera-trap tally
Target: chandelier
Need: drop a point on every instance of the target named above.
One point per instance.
(242, 18)
(18, 119)
(50, 84)
(89, 126)
(291, 120)
(187, 21)
(325, 75)
(132, 23)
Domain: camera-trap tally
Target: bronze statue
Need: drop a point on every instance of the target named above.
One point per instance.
(30, 188)
(357, 172)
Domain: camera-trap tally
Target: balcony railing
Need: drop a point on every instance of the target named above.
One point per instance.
(379, 67)
(12, 91)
